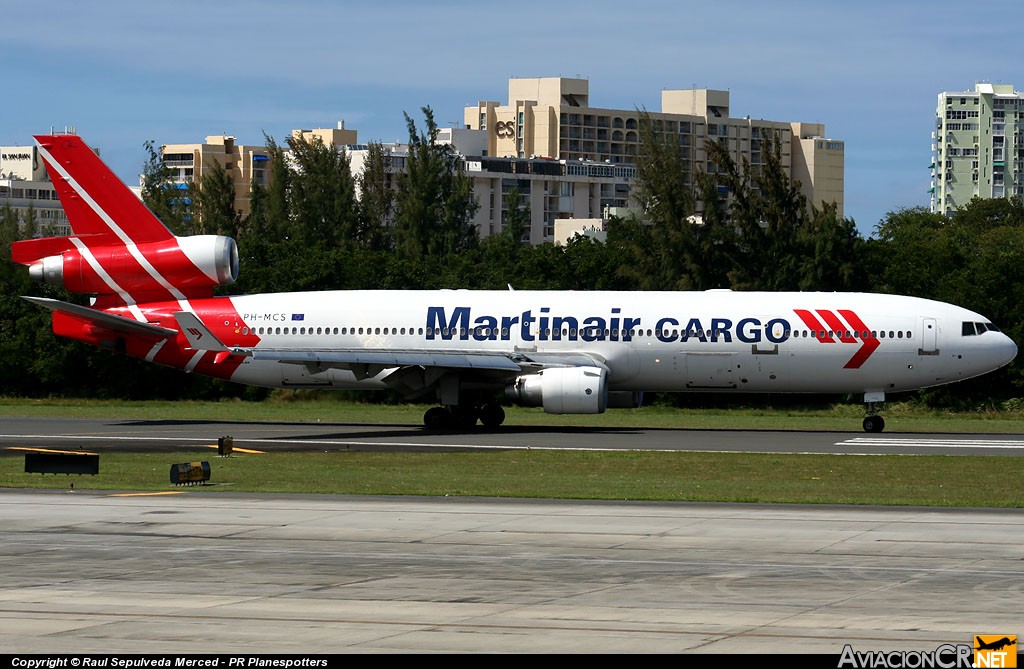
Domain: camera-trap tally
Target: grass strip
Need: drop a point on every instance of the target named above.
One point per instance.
(961, 481)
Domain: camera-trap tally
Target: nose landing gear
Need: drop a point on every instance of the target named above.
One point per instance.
(873, 422)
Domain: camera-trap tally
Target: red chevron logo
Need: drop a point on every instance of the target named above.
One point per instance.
(849, 332)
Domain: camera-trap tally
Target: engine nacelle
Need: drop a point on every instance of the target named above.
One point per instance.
(186, 263)
(563, 390)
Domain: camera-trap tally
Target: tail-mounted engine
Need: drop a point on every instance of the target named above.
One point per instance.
(192, 266)
(562, 390)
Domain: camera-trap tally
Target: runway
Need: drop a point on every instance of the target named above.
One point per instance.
(234, 573)
(197, 571)
(133, 435)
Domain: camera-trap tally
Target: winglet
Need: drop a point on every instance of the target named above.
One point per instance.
(198, 335)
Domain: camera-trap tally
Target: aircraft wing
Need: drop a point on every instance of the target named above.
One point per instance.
(387, 358)
(201, 338)
(104, 319)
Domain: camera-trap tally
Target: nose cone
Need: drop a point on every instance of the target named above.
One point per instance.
(995, 350)
(1006, 350)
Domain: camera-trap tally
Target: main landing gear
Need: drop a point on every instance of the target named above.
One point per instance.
(490, 415)
(873, 422)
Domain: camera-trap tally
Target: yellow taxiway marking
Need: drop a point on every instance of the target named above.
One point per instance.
(236, 449)
(147, 494)
(47, 450)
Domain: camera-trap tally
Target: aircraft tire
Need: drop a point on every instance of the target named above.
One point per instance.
(874, 424)
(436, 418)
(492, 416)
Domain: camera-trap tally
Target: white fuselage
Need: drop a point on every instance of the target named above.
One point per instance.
(649, 341)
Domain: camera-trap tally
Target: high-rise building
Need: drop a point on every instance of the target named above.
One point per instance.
(244, 164)
(977, 146)
(553, 117)
(25, 186)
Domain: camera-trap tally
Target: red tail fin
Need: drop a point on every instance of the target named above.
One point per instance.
(98, 204)
(120, 252)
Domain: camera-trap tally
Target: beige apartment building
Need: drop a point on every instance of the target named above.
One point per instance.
(244, 164)
(552, 117)
(247, 164)
(566, 159)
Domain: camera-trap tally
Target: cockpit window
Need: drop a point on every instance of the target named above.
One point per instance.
(970, 329)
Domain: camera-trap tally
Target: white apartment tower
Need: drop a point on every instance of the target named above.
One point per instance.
(977, 146)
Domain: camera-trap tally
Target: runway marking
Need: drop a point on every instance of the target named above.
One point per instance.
(312, 442)
(47, 450)
(864, 442)
(146, 494)
(923, 442)
(240, 450)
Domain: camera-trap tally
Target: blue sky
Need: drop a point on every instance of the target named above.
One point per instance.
(126, 72)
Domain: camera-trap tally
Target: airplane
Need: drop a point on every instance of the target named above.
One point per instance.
(568, 352)
(998, 644)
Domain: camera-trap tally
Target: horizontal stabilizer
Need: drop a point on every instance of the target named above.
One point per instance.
(28, 251)
(103, 319)
(198, 335)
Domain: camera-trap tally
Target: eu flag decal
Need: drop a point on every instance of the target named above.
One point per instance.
(298, 317)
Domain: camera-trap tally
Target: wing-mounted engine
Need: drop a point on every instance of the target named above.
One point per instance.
(562, 390)
(180, 266)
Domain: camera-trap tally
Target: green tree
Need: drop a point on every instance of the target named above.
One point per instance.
(516, 218)
(434, 202)
(276, 217)
(499, 262)
(777, 241)
(833, 253)
(213, 205)
(969, 259)
(674, 250)
(377, 198)
(322, 195)
(913, 254)
(162, 194)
